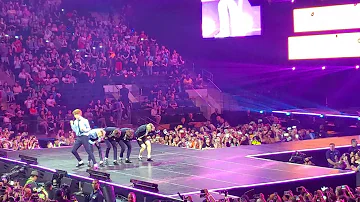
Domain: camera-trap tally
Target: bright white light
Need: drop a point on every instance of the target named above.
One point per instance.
(323, 67)
(357, 66)
(208, 26)
(293, 68)
(342, 45)
(337, 17)
(261, 112)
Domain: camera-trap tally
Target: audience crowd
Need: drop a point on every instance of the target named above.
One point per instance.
(349, 160)
(46, 47)
(342, 193)
(217, 133)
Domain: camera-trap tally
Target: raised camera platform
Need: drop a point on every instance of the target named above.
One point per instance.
(188, 171)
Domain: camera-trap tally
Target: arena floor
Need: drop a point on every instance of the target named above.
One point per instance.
(188, 171)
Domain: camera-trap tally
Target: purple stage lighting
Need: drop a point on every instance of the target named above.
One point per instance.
(293, 68)
(323, 67)
(357, 66)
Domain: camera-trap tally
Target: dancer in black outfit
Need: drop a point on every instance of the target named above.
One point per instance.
(112, 134)
(126, 135)
(141, 135)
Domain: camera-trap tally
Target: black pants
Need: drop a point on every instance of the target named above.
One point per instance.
(98, 146)
(122, 144)
(111, 143)
(82, 140)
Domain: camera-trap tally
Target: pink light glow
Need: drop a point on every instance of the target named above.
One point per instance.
(344, 45)
(316, 114)
(306, 113)
(337, 17)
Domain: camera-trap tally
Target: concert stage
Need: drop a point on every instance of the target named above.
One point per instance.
(188, 171)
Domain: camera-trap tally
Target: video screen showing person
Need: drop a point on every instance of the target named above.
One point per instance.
(230, 18)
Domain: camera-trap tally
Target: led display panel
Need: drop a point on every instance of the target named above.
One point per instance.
(230, 18)
(344, 45)
(339, 17)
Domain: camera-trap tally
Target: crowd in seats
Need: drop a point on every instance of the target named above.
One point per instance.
(37, 189)
(21, 141)
(47, 48)
(168, 99)
(342, 193)
(218, 133)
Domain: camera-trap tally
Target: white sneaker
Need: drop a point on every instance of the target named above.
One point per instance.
(96, 166)
(140, 157)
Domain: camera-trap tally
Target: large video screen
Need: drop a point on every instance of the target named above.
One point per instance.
(338, 17)
(230, 18)
(344, 45)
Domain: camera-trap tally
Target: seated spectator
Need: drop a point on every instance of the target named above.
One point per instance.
(188, 82)
(199, 82)
(333, 156)
(172, 103)
(155, 114)
(354, 147)
(163, 104)
(51, 103)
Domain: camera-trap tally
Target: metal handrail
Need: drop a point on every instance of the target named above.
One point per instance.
(202, 97)
(217, 87)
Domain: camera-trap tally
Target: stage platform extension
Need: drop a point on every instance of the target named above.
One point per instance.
(188, 171)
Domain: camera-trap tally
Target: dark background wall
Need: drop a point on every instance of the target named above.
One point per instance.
(177, 24)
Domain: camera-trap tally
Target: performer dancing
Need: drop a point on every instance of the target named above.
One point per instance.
(111, 135)
(95, 137)
(81, 127)
(141, 135)
(124, 140)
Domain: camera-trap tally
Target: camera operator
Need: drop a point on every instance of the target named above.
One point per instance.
(31, 181)
(96, 195)
(307, 161)
(60, 196)
(47, 192)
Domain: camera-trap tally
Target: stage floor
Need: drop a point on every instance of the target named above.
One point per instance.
(188, 171)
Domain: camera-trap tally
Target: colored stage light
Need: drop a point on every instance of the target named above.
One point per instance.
(293, 68)
(288, 113)
(357, 66)
(323, 67)
(261, 112)
(321, 116)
